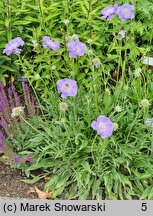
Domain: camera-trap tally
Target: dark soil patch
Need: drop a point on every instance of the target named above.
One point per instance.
(11, 184)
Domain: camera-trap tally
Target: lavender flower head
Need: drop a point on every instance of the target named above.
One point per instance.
(76, 48)
(103, 126)
(126, 11)
(67, 87)
(109, 12)
(49, 43)
(13, 46)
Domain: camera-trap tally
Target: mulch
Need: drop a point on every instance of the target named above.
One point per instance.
(11, 185)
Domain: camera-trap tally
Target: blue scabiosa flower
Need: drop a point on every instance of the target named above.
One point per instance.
(13, 46)
(49, 43)
(76, 48)
(103, 126)
(125, 12)
(67, 87)
(109, 12)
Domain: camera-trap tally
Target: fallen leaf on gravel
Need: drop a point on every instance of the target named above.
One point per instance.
(42, 194)
(31, 190)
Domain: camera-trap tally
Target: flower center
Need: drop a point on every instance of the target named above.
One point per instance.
(76, 49)
(13, 46)
(101, 126)
(66, 87)
(51, 43)
(109, 11)
(126, 12)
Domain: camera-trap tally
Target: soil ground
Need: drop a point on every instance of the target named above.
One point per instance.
(11, 184)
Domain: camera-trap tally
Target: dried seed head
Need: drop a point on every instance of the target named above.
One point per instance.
(16, 111)
(118, 108)
(115, 128)
(137, 72)
(63, 106)
(144, 103)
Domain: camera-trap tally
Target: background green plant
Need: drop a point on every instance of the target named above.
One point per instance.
(34, 19)
(79, 162)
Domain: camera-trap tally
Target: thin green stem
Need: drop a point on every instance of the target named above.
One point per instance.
(38, 100)
(24, 70)
(95, 92)
(30, 125)
(132, 125)
(92, 148)
(8, 19)
(41, 12)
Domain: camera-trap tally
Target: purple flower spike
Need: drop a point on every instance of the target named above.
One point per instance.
(2, 104)
(13, 46)
(16, 159)
(2, 138)
(49, 43)
(103, 126)
(76, 48)
(1, 85)
(29, 159)
(3, 123)
(109, 12)
(9, 91)
(26, 88)
(126, 11)
(67, 87)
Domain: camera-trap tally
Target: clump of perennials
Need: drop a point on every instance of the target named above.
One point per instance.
(104, 126)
